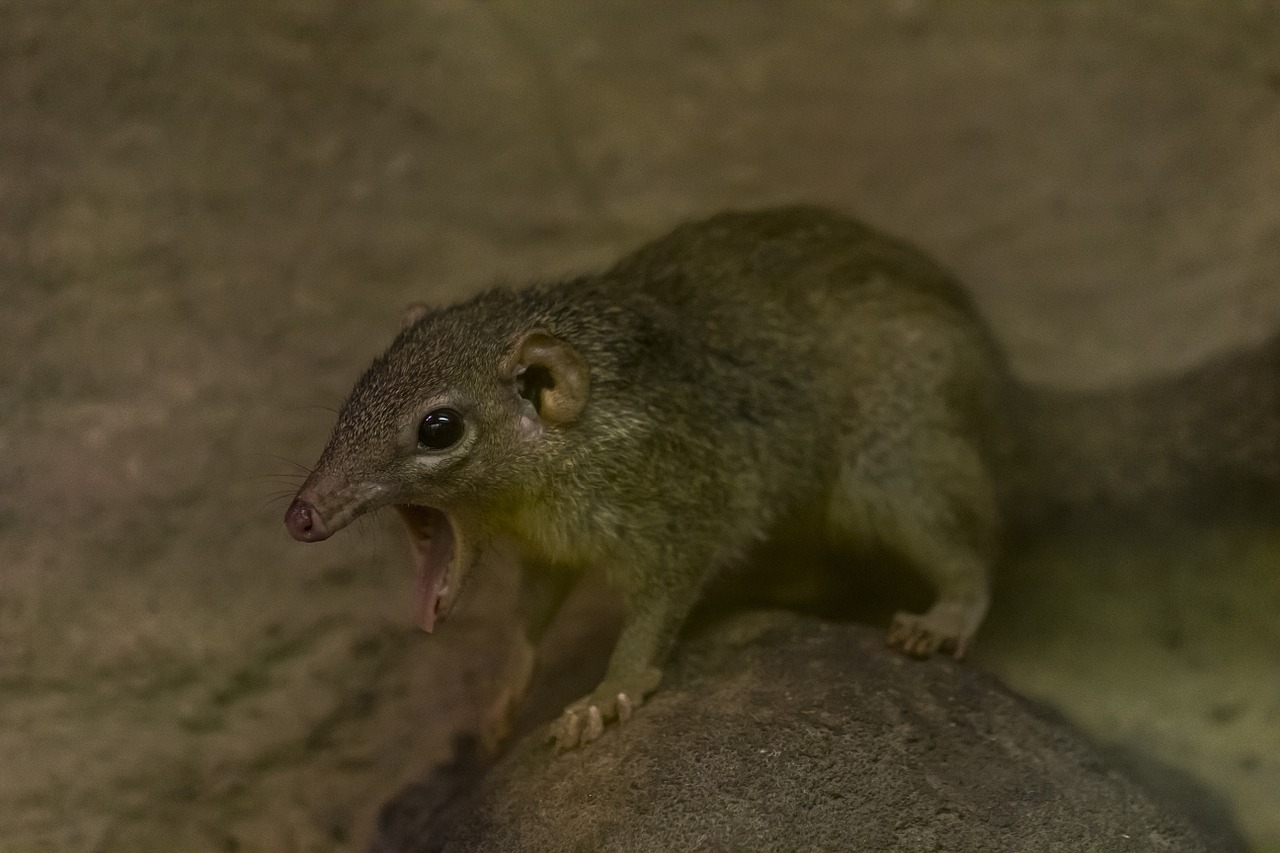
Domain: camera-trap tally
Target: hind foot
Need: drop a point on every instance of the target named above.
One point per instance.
(948, 626)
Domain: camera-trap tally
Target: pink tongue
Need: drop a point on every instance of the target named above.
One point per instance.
(431, 536)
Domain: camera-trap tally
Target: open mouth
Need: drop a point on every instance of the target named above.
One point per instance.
(436, 558)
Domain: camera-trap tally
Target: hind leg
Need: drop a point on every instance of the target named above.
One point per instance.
(925, 495)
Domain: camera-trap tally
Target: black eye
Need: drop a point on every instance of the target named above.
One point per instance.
(440, 429)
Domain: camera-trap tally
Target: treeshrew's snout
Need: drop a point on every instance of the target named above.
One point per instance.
(304, 523)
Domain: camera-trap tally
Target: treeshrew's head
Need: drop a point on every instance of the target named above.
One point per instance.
(448, 426)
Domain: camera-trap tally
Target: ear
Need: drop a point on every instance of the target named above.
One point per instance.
(551, 375)
(413, 312)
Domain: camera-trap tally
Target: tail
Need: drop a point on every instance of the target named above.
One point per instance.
(1203, 441)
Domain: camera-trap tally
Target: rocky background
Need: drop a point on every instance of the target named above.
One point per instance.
(211, 215)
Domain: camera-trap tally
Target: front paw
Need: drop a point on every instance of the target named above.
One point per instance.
(585, 720)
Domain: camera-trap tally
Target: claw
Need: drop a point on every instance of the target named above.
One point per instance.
(567, 731)
(942, 629)
(595, 725)
(915, 636)
(585, 720)
(574, 734)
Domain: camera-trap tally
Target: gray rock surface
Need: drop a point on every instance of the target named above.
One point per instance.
(780, 732)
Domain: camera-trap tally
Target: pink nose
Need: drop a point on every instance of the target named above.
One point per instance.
(304, 523)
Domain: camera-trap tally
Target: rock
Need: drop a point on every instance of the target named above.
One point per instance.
(781, 732)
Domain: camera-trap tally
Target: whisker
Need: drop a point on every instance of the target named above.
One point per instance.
(281, 493)
(293, 479)
(362, 526)
(373, 527)
(275, 499)
(286, 460)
